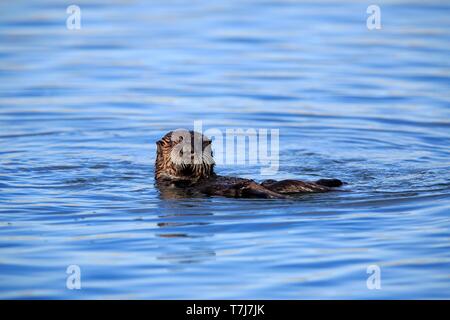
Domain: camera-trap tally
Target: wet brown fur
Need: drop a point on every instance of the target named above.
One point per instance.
(190, 179)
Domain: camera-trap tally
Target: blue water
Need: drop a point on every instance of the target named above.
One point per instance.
(80, 111)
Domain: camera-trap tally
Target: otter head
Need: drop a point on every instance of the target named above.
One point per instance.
(183, 156)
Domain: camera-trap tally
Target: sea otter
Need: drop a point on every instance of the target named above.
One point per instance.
(185, 167)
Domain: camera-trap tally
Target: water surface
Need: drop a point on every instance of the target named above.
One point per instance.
(80, 111)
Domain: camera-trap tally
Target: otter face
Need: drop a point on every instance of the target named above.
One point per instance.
(183, 155)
